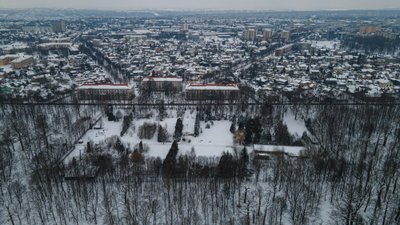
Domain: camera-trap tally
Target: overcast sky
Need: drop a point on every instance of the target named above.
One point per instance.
(203, 4)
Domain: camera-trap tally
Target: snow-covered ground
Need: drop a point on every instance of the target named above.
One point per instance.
(326, 44)
(296, 126)
(212, 141)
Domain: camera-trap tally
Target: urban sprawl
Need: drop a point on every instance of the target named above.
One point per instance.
(200, 57)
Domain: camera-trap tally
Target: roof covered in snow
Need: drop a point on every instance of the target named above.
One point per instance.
(228, 87)
(105, 86)
(290, 150)
(178, 79)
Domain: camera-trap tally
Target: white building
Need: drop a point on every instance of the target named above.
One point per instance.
(105, 92)
(249, 34)
(267, 34)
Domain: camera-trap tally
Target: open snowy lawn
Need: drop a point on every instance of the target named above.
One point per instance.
(217, 134)
(212, 141)
(76, 153)
(295, 126)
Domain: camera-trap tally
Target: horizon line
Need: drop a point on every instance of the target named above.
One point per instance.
(206, 9)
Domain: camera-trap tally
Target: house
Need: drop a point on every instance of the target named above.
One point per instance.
(16, 61)
(276, 151)
(21, 62)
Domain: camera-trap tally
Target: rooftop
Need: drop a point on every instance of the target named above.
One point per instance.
(162, 79)
(105, 86)
(212, 87)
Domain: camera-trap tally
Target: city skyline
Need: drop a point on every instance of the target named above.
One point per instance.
(207, 4)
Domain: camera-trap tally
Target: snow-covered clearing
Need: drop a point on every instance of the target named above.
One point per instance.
(212, 141)
(326, 44)
(296, 126)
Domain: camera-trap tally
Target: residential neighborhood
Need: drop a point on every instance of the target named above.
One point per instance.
(308, 58)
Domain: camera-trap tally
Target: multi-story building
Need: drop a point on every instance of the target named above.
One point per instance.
(58, 26)
(249, 34)
(105, 92)
(17, 61)
(212, 92)
(267, 34)
(166, 84)
(285, 36)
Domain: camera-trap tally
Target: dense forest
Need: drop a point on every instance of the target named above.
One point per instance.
(348, 174)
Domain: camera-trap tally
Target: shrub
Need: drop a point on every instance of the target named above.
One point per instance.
(147, 130)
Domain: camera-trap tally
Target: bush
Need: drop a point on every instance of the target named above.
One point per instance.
(137, 157)
(126, 123)
(147, 130)
(162, 135)
(282, 135)
(141, 147)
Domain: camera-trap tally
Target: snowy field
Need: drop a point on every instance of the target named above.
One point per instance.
(212, 141)
(296, 126)
(326, 44)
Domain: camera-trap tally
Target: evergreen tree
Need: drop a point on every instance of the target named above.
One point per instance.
(197, 125)
(178, 129)
(169, 164)
(227, 166)
(119, 146)
(162, 135)
(140, 146)
(88, 147)
(253, 131)
(232, 129)
(110, 114)
(244, 156)
(161, 109)
(243, 162)
(126, 123)
(266, 137)
(282, 135)
(241, 122)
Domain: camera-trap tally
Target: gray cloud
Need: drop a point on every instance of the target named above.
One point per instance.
(203, 4)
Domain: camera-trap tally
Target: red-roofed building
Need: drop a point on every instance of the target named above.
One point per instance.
(105, 92)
